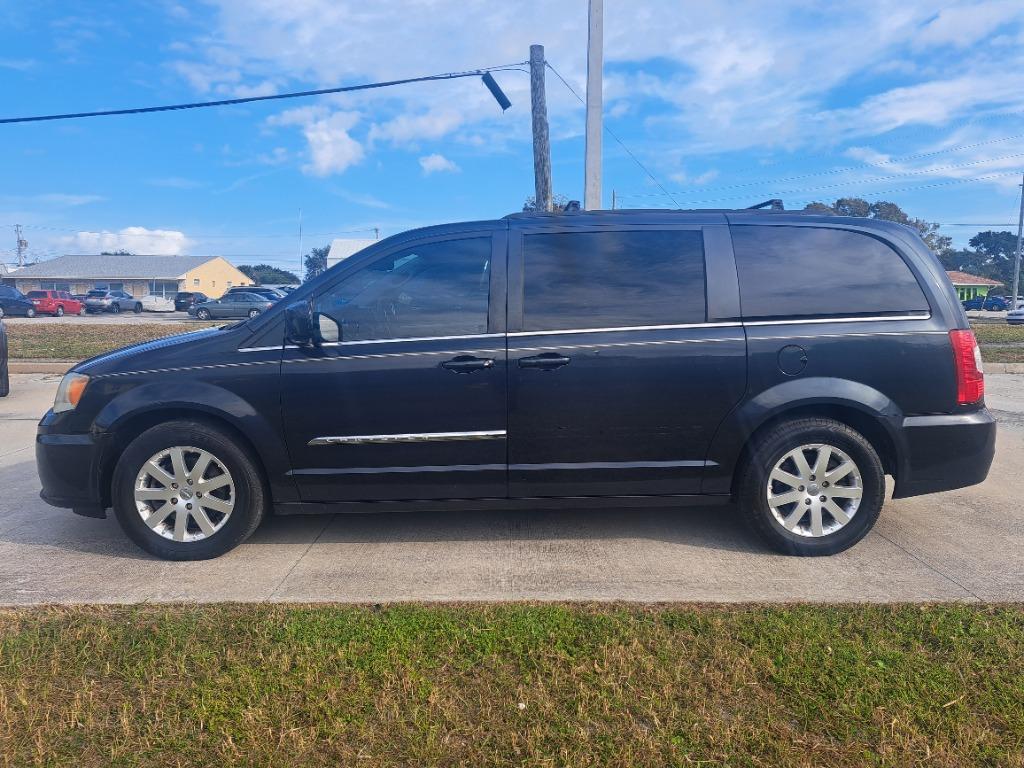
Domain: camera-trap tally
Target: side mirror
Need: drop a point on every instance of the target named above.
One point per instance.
(298, 325)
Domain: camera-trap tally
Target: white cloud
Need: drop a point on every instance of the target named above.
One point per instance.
(157, 242)
(437, 163)
(331, 148)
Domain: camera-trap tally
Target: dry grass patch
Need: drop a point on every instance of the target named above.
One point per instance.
(55, 341)
(512, 685)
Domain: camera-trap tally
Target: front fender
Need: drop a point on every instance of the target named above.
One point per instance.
(211, 400)
(743, 421)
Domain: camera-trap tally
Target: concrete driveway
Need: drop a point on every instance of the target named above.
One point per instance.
(964, 545)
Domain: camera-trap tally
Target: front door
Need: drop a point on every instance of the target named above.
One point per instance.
(617, 376)
(406, 399)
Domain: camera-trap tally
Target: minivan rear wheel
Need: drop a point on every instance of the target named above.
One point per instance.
(185, 490)
(811, 487)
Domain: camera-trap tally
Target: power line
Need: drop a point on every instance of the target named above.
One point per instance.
(250, 99)
(612, 134)
(919, 172)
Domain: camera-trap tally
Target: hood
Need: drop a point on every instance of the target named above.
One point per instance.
(164, 352)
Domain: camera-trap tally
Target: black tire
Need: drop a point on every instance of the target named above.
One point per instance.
(59, 312)
(203, 314)
(771, 447)
(115, 308)
(137, 309)
(251, 495)
(30, 312)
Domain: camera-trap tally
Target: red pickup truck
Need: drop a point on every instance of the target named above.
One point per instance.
(57, 303)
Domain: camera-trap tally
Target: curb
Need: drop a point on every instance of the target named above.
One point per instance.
(40, 366)
(1004, 367)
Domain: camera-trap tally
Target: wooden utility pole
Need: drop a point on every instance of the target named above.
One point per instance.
(1016, 258)
(541, 142)
(595, 102)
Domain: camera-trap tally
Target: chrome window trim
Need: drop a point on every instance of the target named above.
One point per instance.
(682, 326)
(841, 319)
(380, 341)
(408, 437)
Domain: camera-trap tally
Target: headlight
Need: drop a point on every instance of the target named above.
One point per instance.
(70, 391)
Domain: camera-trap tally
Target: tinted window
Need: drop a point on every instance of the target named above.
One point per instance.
(96, 293)
(613, 279)
(435, 289)
(37, 295)
(801, 271)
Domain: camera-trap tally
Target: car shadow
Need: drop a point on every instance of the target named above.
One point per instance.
(27, 520)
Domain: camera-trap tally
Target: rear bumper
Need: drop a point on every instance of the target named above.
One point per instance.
(70, 471)
(944, 452)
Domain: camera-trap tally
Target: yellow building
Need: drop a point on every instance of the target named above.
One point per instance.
(138, 275)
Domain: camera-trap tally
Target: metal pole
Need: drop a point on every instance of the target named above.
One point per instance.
(541, 142)
(301, 265)
(1020, 239)
(595, 100)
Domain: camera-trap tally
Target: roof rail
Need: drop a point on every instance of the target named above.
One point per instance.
(774, 204)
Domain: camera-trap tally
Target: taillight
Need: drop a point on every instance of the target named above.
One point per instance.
(970, 378)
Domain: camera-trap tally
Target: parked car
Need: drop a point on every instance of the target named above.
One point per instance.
(1015, 317)
(991, 303)
(155, 303)
(271, 293)
(231, 305)
(783, 361)
(14, 302)
(185, 299)
(56, 303)
(111, 301)
(5, 380)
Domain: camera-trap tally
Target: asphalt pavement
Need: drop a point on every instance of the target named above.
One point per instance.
(965, 545)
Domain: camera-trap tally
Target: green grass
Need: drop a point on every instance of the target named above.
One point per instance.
(512, 685)
(992, 333)
(28, 341)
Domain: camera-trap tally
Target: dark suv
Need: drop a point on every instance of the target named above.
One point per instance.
(786, 362)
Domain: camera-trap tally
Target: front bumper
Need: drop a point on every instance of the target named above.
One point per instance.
(944, 452)
(70, 471)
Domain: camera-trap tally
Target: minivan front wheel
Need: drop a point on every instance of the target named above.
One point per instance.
(185, 490)
(812, 487)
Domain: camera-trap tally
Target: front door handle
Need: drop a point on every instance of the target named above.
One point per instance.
(467, 364)
(547, 361)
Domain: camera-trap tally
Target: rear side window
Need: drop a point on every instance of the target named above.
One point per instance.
(613, 279)
(813, 271)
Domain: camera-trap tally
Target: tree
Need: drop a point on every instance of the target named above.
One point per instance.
(121, 252)
(856, 206)
(558, 203)
(264, 274)
(990, 255)
(316, 262)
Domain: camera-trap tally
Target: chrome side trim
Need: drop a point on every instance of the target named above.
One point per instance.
(385, 355)
(613, 345)
(826, 320)
(613, 465)
(411, 437)
(682, 326)
(261, 349)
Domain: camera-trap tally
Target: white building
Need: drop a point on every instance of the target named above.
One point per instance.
(342, 248)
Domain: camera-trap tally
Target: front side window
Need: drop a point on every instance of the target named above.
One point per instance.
(613, 279)
(434, 289)
(814, 271)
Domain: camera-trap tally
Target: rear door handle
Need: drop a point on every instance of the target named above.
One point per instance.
(547, 361)
(467, 364)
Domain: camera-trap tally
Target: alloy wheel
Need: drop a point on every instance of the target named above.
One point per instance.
(814, 490)
(184, 494)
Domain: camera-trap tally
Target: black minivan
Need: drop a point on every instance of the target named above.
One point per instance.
(786, 362)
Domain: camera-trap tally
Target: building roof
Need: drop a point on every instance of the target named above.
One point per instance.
(115, 267)
(963, 278)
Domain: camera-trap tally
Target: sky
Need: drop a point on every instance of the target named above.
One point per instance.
(716, 104)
